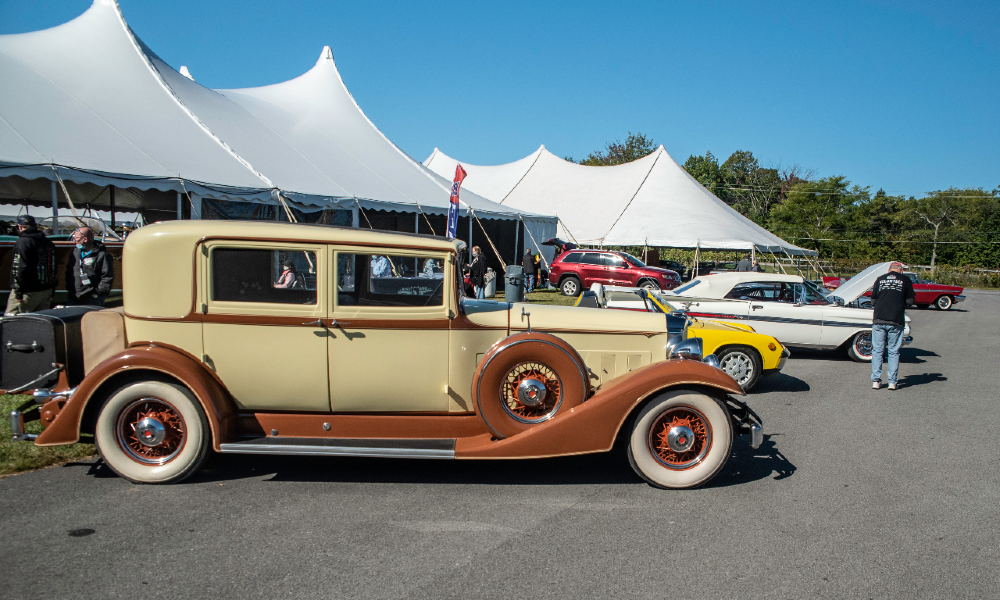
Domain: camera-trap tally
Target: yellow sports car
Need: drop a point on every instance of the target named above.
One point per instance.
(742, 353)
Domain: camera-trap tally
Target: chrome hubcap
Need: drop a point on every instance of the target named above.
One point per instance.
(863, 344)
(738, 366)
(680, 438)
(150, 432)
(531, 392)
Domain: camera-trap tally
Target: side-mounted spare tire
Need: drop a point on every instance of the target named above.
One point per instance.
(526, 379)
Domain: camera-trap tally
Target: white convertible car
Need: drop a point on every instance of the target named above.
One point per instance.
(789, 308)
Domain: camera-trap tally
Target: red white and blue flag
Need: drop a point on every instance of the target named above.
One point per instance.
(453, 209)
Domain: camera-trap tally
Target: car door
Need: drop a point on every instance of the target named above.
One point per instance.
(388, 337)
(592, 269)
(266, 343)
(617, 270)
(772, 311)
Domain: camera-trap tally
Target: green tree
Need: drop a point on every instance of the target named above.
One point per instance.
(750, 188)
(818, 212)
(706, 170)
(635, 147)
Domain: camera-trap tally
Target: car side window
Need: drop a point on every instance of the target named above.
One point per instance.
(572, 258)
(386, 280)
(590, 258)
(612, 260)
(766, 292)
(271, 275)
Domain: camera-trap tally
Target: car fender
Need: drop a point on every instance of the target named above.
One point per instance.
(214, 399)
(594, 425)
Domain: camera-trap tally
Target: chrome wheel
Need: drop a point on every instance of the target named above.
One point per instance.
(863, 345)
(739, 366)
(944, 302)
(570, 287)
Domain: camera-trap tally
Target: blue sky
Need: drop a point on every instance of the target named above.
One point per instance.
(892, 94)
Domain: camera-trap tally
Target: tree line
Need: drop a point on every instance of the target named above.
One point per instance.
(957, 226)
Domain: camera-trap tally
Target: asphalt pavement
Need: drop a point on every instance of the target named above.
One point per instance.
(855, 493)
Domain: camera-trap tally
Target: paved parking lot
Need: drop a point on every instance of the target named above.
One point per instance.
(854, 494)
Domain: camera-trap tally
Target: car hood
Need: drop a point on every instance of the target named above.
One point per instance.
(860, 283)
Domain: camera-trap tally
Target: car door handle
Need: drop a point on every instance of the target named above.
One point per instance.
(317, 322)
(756, 306)
(335, 323)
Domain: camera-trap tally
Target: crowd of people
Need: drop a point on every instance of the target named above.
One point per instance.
(89, 272)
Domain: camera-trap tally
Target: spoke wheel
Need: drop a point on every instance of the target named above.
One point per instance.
(680, 438)
(150, 431)
(531, 392)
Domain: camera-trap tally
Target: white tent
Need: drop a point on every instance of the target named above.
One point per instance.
(651, 201)
(88, 99)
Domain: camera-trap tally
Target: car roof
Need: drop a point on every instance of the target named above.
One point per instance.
(720, 284)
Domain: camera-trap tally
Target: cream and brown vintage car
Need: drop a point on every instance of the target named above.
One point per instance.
(268, 338)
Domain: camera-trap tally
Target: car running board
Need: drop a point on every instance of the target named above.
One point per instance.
(387, 448)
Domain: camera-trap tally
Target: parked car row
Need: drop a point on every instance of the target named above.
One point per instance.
(928, 293)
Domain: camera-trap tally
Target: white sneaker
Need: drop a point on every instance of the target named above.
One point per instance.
(876, 385)
(892, 386)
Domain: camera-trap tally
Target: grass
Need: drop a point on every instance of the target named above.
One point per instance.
(545, 296)
(16, 457)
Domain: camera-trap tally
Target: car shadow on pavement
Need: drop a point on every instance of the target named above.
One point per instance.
(746, 464)
(915, 355)
(781, 382)
(921, 379)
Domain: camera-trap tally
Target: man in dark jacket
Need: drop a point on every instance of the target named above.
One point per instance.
(891, 294)
(530, 270)
(90, 270)
(744, 265)
(33, 273)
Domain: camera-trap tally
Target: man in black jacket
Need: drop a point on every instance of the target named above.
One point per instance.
(477, 272)
(530, 270)
(33, 273)
(891, 294)
(90, 270)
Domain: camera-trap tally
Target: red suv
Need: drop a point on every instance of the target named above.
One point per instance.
(577, 270)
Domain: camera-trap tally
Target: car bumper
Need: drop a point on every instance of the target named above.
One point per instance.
(958, 299)
(907, 340)
(746, 421)
(29, 411)
(785, 353)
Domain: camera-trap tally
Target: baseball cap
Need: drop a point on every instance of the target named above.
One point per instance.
(895, 265)
(26, 220)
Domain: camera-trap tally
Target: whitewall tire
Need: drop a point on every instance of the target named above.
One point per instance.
(152, 432)
(681, 439)
(859, 349)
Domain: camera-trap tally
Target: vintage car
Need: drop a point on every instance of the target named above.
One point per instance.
(927, 293)
(369, 352)
(789, 308)
(742, 353)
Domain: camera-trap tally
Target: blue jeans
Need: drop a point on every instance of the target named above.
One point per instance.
(881, 334)
(480, 292)
(529, 283)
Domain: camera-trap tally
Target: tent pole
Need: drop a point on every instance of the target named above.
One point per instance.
(112, 191)
(470, 236)
(55, 210)
(697, 254)
(180, 206)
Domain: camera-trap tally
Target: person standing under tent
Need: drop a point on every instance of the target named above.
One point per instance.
(744, 265)
(477, 272)
(756, 266)
(33, 272)
(530, 269)
(891, 294)
(90, 270)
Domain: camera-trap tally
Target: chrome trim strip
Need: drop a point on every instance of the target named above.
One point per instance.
(298, 450)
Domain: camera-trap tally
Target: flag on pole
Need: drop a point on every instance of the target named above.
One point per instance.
(453, 209)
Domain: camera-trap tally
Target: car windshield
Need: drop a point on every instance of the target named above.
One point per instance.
(635, 261)
(808, 293)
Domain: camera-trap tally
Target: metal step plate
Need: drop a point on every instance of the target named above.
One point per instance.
(384, 448)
